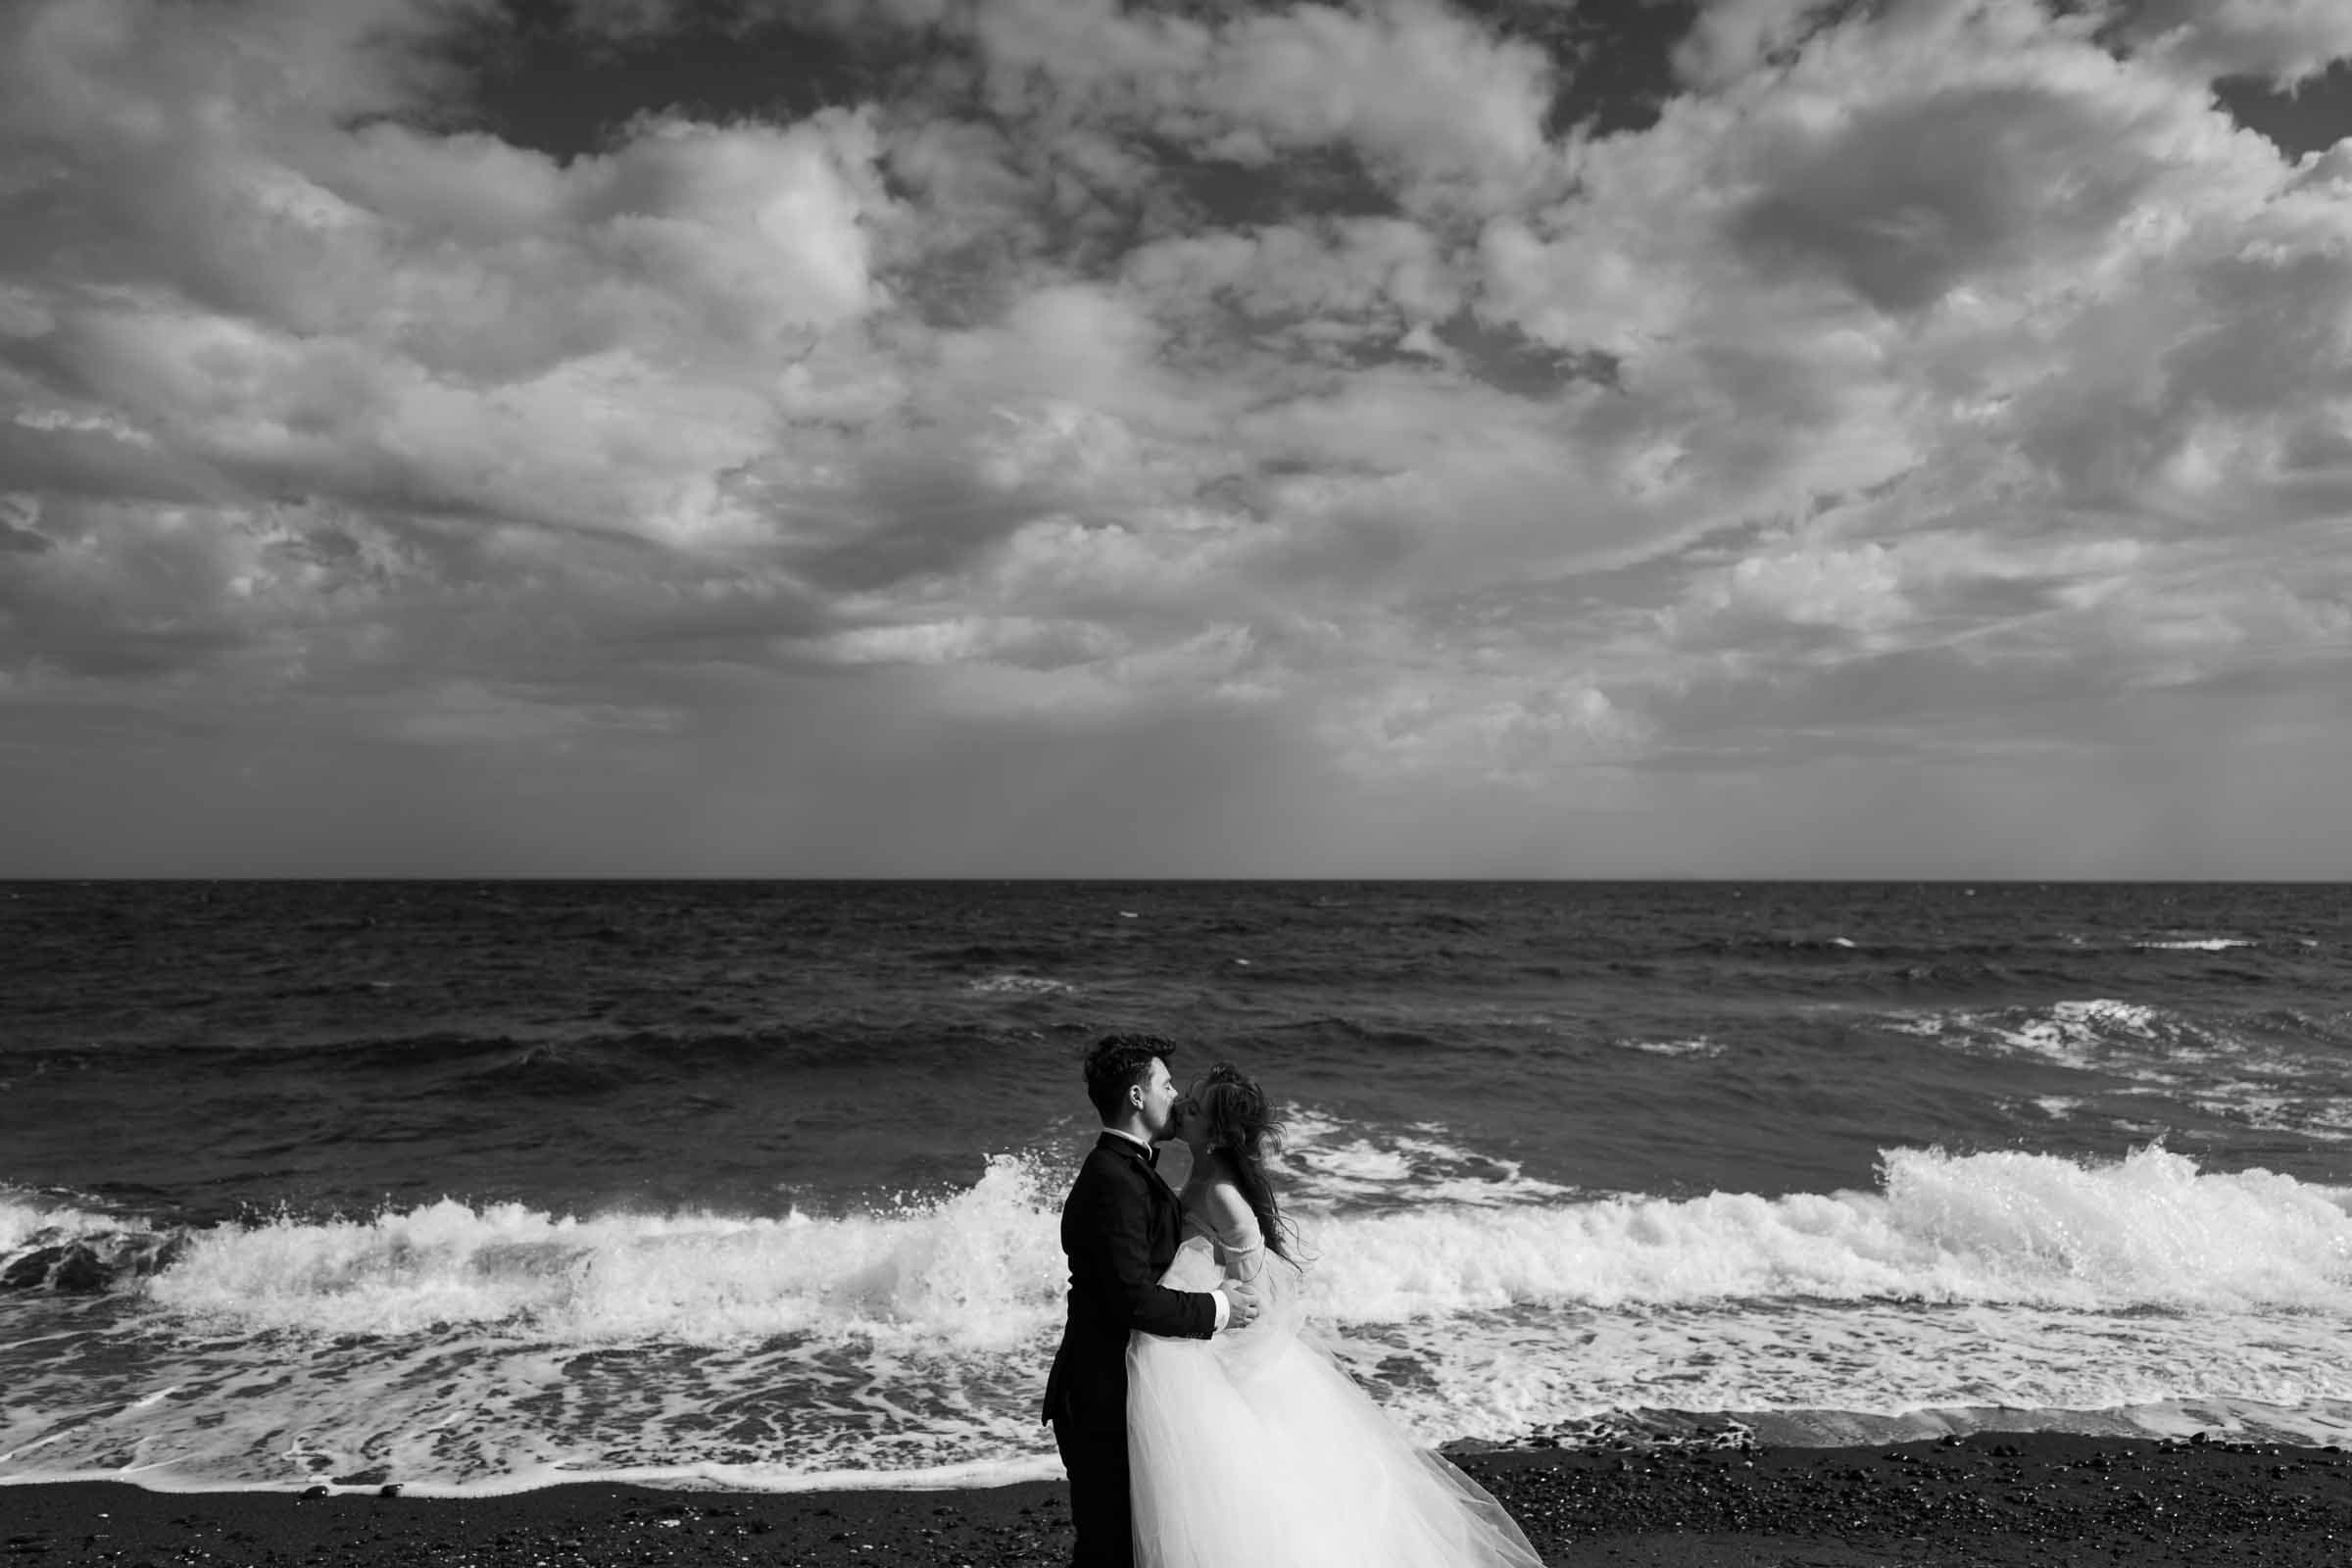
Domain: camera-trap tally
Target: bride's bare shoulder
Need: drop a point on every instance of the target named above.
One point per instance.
(1223, 1205)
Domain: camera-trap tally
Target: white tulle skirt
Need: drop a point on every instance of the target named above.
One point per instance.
(1254, 1447)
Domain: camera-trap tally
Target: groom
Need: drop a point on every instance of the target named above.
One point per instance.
(1119, 1226)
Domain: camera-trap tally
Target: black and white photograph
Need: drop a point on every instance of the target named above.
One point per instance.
(1176, 783)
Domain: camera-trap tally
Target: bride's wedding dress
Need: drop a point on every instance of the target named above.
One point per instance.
(1253, 1447)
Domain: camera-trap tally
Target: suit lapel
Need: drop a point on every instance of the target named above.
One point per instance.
(1121, 1145)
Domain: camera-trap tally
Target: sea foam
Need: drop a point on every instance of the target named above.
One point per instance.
(2280, 1075)
(982, 1270)
(975, 1271)
(26, 1217)
(467, 1348)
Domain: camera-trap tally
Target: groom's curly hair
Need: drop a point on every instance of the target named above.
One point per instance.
(1118, 1063)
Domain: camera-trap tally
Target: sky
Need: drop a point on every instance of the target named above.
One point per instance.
(1481, 438)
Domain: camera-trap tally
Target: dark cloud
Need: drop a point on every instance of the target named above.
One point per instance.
(1903, 202)
(1405, 437)
(96, 463)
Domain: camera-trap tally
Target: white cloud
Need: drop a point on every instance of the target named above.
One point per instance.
(1932, 365)
(1525, 732)
(763, 224)
(1444, 112)
(420, 322)
(2285, 40)
(1908, 590)
(1731, 38)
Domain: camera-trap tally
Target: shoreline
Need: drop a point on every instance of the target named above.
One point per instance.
(1990, 1498)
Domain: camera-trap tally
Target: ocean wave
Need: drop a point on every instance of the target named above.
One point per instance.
(2273, 1071)
(575, 1060)
(975, 1271)
(465, 1349)
(1699, 1046)
(1326, 1163)
(2070, 1034)
(57, 1245)
(25, 1216)
(999, 955)
(2149, 1231)
(1019, 985)
(2097, 1034)
(983, 1269)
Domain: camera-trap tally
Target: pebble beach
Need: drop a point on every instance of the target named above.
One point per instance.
(1983, 1501)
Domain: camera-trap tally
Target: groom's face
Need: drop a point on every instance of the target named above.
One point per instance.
(1159, 1102)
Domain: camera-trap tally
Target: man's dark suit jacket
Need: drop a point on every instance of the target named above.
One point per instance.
(1119, 1226)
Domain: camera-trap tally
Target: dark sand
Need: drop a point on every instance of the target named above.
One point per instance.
(2007, 1498)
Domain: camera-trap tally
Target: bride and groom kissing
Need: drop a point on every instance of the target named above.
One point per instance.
(1200, 1424)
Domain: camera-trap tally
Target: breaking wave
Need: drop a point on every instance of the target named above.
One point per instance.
(982, 1270)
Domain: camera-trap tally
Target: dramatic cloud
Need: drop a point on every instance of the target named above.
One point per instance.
(2284, 39)
(1062, 435)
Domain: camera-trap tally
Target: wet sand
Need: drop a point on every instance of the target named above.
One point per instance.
(1988, 1499)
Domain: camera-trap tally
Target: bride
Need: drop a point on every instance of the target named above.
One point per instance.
(1255, 1447)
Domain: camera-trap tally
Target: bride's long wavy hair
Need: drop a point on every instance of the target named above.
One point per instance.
(1243, 1128)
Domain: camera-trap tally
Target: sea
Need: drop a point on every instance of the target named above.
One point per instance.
(480, 1187)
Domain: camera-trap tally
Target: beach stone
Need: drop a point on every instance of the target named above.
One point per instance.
(69, 1266)
(175, 1246)
(81, 1271)
(31, 1271)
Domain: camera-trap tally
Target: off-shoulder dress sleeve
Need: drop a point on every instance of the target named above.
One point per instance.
(1239, 1239)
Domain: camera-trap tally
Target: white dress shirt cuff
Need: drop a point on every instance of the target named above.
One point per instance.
(1224, 1311)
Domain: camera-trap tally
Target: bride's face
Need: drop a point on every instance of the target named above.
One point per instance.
(1191, 1125)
